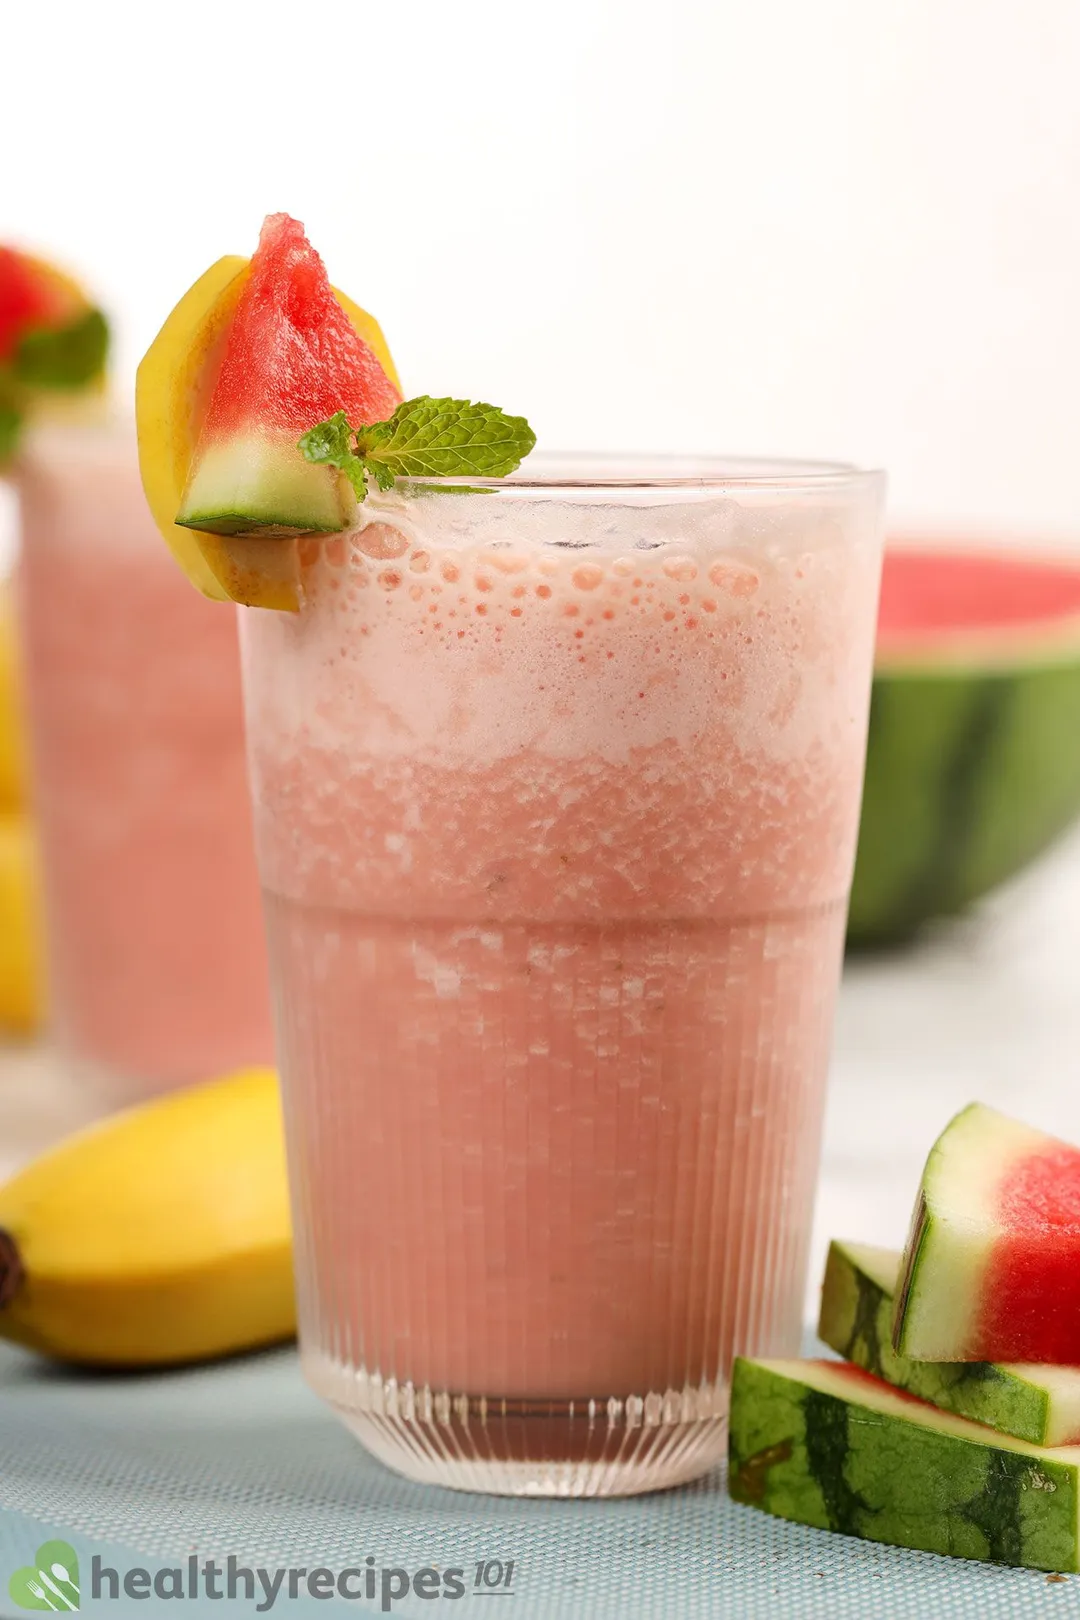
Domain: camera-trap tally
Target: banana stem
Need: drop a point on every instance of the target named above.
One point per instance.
(12, 1274)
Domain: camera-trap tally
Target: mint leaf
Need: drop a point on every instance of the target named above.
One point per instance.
(67, 357)
(445, 438)
(425, 438)
(10, 428)
(328, 444)
(380, 472)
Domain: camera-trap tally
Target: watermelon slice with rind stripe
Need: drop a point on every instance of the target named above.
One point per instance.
(991, 1271)
(291, 358)
(1032, 1402)
(828, 1445)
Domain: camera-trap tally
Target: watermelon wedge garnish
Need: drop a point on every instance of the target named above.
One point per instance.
(971, 768)
(29, 299)
(291, 357)
(53, 343)
(991, 1270)
(829, 1445)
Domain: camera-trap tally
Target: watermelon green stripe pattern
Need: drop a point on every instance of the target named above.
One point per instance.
(826, 1445)
(1036, 1403)
(970, 774)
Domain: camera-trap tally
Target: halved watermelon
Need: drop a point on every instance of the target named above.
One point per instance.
(972, 767)
(829, 1445)
(291, 358)
(991, 1270)
(1032, 1402)
(253, 355)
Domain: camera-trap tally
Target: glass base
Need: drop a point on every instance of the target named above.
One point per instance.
(560, 1448)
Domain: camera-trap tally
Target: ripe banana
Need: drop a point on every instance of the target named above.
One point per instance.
(158, 1236)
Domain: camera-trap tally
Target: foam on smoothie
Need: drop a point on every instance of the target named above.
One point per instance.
(709, 689)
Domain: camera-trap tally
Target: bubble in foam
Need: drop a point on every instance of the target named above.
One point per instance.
(587, 577)
(734, 578)
(381, 540)
(508, 562)
(680, 568)
(420, 562)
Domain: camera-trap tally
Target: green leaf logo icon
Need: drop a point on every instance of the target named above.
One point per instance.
(51, 1583)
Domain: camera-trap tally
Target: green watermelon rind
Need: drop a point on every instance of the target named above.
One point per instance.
(967, 781)
(259, 486)
(857, 1304)
(820, 1444)
(947, 1262)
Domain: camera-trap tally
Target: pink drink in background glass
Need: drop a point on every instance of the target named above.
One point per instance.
(556, 792)
(155, 942)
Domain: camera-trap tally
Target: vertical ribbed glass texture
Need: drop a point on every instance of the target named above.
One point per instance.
(156, 960)
(556, 790)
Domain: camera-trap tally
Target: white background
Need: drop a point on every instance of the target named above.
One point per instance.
(846, 228)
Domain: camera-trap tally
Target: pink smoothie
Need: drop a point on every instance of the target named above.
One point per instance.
(156, 952)
(556, 843)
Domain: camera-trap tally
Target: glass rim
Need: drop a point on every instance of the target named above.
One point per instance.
(576, 472)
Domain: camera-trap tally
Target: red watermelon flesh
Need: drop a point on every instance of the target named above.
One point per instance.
(992, 1267)
(1033, 1307)
(28, 300)
(933, 599)
(291, 359)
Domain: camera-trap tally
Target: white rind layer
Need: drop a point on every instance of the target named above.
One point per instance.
(1060, 1385)
(859, 1389)
(953, 1232)
(261, 481)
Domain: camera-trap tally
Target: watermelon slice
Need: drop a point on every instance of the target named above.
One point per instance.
(28, 299)
(1041, 1404)
(976, 696)
(828, 1445)
(290, 358)
(53, 345)
(991, 1271)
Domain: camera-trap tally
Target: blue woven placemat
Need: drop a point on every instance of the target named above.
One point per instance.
(240, 1459)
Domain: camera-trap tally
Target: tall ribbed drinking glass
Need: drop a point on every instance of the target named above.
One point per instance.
(556, 785)
(157, 966)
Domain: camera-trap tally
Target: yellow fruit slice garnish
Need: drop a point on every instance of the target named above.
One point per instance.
(20, 942)
(171, 395)
(12, 738)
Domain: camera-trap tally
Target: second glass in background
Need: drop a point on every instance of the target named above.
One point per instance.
(157, 971)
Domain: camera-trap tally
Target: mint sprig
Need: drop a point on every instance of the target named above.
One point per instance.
(48, 359)
(11, 422)
(62, 357)
(425, 438)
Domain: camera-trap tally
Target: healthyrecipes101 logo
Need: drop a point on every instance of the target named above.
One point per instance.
(51, 1582)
